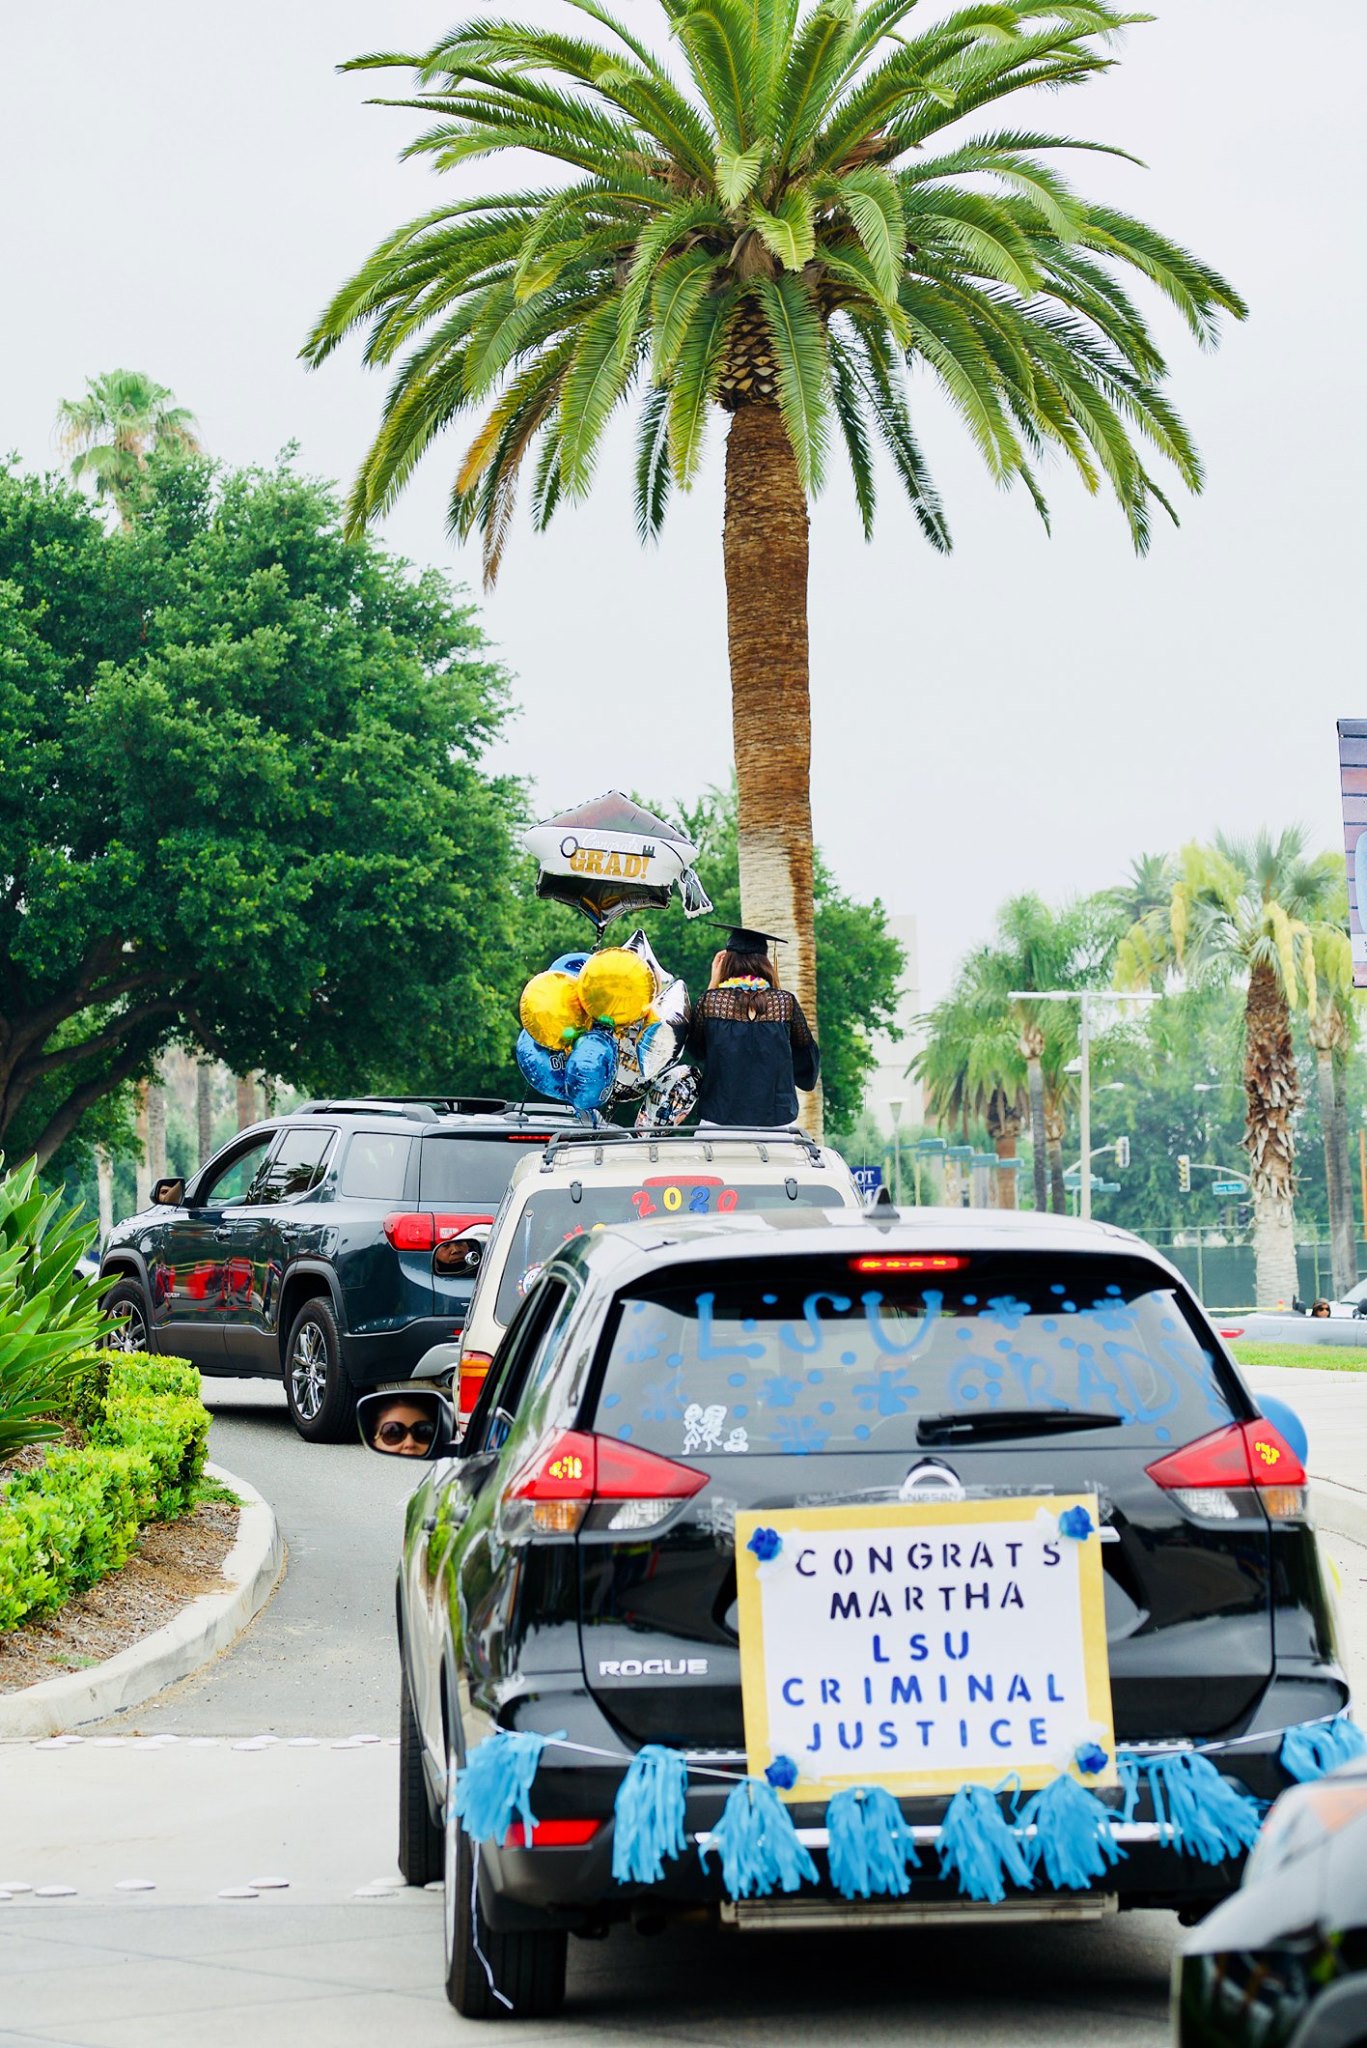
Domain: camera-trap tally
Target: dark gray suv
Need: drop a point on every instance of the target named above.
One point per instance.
(330, 1247)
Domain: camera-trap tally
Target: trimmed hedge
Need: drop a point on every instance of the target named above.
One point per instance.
(76, 1516)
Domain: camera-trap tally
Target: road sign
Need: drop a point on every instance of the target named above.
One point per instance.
(1227, 1187)
(868, 1179)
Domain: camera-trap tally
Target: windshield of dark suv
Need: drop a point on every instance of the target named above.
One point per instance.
(866, 1352)
(552, 1217)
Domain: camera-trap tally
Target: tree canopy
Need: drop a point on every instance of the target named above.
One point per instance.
(243, 800)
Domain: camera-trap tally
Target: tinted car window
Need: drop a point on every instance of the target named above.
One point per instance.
(231, 1182)
(296, 1167)
(376, 1166)
(552, 1217)
(799, 1355)
(467, 1170)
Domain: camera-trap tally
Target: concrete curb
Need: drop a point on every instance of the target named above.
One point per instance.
(1339, 1510)
(196, 1634)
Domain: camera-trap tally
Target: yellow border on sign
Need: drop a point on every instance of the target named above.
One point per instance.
(917, 1514)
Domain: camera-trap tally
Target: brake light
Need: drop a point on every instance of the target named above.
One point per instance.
(929, 1262)
(418, 1230)
(1206, 1475)
(552, 1493)
(552, 1834)
(474, 1371)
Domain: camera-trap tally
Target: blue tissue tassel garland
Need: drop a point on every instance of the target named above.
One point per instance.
(978, 1845)
(649, 1812)
(870, 1845)
(1318, 1746)
(1198, 1811)
(496, 1783)
(758, 1843)
(1072, 1838)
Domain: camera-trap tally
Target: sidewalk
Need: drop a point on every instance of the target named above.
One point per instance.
(1333, 1407)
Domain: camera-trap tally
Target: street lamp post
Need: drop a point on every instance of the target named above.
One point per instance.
(897, 1103)
(1084, 997)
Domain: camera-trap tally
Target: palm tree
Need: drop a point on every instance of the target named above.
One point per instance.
(1332, 1025)
(970, 1065)
(1256, 909)
(779, 227)
(122, 418)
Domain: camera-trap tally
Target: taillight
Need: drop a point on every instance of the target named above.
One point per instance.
(552, 1834)
(418, 1230)
(897, 1262)
(628, 1488)
(474, 1371)
(1207, 1476)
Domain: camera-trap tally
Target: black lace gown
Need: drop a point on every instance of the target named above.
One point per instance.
(756, 1050)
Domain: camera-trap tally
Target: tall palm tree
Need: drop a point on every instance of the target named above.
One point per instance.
(779, 222)
(1332, 1025)
(970, 1065)
(110, 431)
(1251, 909)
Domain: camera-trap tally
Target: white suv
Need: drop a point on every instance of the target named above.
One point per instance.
(584, 1181)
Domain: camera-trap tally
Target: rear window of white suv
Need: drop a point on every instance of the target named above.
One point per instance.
(802, 1356)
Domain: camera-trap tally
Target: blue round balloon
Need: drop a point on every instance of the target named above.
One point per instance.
(571, 963)
(541, 1069)
(590, 1070)
(1288, 1422)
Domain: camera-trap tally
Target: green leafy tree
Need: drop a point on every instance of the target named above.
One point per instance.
(779, 223)
(1332, 1028)
(242, 803)
(1252, 912)
(121, 419)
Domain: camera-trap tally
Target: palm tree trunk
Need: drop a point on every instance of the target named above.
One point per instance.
(1271, 1094)
(1341, 1254)
(1347, 1199)
(1039, 1145)
(1054, 1129)
(764, 551)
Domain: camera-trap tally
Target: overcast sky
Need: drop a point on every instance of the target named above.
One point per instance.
(181, 188)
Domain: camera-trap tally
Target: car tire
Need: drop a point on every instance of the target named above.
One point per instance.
(422, 1848)
(528, 1968)
(322, 1400)
(128, 1299)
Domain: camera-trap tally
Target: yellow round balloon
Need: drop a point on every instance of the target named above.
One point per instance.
(616, 984)
(550, 1009)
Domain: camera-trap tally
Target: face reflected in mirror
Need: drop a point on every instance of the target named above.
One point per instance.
(404, 1427)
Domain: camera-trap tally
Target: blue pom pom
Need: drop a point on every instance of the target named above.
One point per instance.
(1198, 1811)
(1077, 1523)
(979, 1848)
(649, 1812)
(758, 1843)
(870, 1844)
(781, 1773)
(1073, 1837)
(766, 1544)
(1090, 1758)
(1318, 1746)
(496, 1783)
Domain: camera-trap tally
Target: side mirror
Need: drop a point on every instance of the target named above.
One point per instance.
(168, 1194)
(406, 1422)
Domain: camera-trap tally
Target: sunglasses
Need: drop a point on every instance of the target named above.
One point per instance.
(390, 1433)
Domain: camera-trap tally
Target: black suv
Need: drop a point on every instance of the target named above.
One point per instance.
(328, 1247)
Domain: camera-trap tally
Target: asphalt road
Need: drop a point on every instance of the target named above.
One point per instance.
(188, 1795)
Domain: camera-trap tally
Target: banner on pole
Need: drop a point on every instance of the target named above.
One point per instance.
(1353, 783)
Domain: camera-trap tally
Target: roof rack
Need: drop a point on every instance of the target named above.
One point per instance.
(424, 1107)
(617, 1134)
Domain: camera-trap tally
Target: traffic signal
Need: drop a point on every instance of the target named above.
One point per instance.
(1122, 1152)
(1184, 1173)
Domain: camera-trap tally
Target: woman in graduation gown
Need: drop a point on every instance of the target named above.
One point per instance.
(755, 1045)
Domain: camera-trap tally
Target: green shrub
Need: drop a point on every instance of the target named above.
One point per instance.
(49, 1313)
(76, 1516)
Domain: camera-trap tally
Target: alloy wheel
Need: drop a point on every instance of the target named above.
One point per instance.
(131, 1335)
(309, 1371)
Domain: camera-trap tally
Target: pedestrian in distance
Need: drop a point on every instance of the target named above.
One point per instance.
(755, 1046)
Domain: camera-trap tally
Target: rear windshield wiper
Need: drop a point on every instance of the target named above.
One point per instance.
(984, 1424)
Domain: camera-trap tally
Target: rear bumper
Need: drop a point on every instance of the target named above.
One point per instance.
(370, 1361)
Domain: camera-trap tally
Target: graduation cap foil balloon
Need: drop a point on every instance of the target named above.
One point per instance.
(610, 858)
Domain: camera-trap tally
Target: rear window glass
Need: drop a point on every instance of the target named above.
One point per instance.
(468, 1171)
(376, 1166)
(801, 1356)
(551, 1217)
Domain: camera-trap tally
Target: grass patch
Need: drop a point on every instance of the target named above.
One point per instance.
(212, 1492)
(1316, 1357)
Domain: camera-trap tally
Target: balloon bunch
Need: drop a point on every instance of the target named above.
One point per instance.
(607, 1027)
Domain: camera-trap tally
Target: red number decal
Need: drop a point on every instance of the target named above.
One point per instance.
(641, 1203)
(727, 1200)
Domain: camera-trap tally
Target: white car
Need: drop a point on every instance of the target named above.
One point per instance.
(583, 1181)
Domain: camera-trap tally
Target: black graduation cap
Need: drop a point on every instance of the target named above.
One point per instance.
(741, 939)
